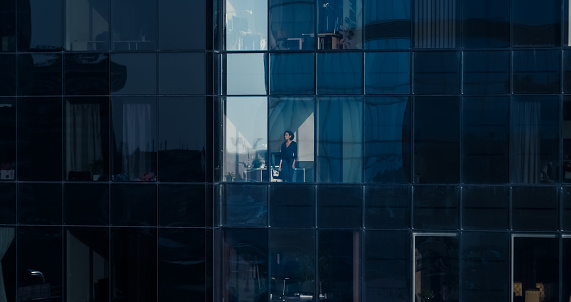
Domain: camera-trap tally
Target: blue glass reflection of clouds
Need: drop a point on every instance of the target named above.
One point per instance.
(387, 24)
(246, 74)
(246, 24)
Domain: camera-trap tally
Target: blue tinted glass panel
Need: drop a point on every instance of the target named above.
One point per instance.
(536, 24)
(437, 23)
(387, 140)
(536, 71)
(246, 24)
(7, 72)
(387, 24)
(39, 203)
(566, 209)
(182, 73)
(178, 21)
(86, 204)
(436, 73)
(244, 205)
(339, 140)
(87, 25)
(8, 25)
(486, 23)
(435, 207)
(339, 73)
(246, 74)
(485, 208)
(566, 268)
(387, 207)
(485, 140)
(8, 139)
(133, 73)
(8, 203)
(339, 206)
(133, 204)
(134, 25)
(436, 140)
(336, 263)
(387, 73)
(486, 72)
(292, 205)
(292, 73)
(340, 24)
(40, 25)
(86, 74)
(292, 25)
(39, 74)
(535, 208)
(566, 71)
(182, 205)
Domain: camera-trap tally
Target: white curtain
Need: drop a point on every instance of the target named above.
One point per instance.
(83, 136)
(525, 141)
(6, 238)
(138, 144)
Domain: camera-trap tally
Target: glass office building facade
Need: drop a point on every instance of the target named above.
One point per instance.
(141, 141)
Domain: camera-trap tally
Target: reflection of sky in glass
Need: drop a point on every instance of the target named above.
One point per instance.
(245, 74)
(246, 24)
(246, 120)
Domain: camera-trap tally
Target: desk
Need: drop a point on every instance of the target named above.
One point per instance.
(257, 175)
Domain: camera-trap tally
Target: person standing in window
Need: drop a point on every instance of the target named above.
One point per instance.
(288, 155)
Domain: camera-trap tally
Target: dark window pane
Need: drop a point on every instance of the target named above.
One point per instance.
(435, 207)
(39, 74)
(339, 206)
(8, 138)
(485, 140)
(86, 74)
(182, 73)
(86, 263)
(180, 23)
(292, 264)
(182, 205)
(245, 74)
(8, 26)
(292, 205)
(536, 23)
(387, 266)
(485, 266)
(134, 264)
(39, 128)
(536, 71)
(566, 71)
(134, 204)
(134, 25)
(340, 73)
(87, 139)
(86, 204)
(566, 267)
(566, 209)
(134, 138)
(182, 265)
(244, 205)
(292, 73)
(7, 203)
(485, 208)
(387, 140)
(436, 139)
(40, 267)
(486, 72)
(245, 265)
(387, 24)
(246, 25)
(182, 153)
(40, 25)
(340, 155)
(535, 267)
(534, 139)
(8, 263)
(486, 23)
(340, 24)
(437, 23)
(387, 207)
(392, 78)
(87, 26)
(133, 73)
(436, 72)
(566, 129)
(295, 114)
(7, 70)
(292, 24)
(535, 208)
(337, 266)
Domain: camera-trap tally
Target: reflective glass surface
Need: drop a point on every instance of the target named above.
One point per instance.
(182, 205)
(246, 24)
(8, 25)
(86, 130)
(387, 207)
(39, 74)
(566, 268)
(292, 206)
(485, 208)
(133, 204)
(566, 71)
(7, 72)
(387, 24)
(85, 204)
(178, 24)
(535, 208)
(566, 209)
(536, 71)
(566, 133)
(436, 72)
(39, 124)
(486, 23)
(292, 73)
(295, 114)
(436, 139)
(392, 78)
(486, 72)
(40, 25)
(134, 25)
(292, 25)
(133, 73)
(134, 138)
(8, 139)
(8, 203)
(535, 267)
(245, 74)
(87, 25)
(435, 207)
(340, 73)
(182, 139)
(387, 139)
(340, 24)
(485, 140)
(39, 204)
(8, 263)
(182, 73)
(436, 23)
(244, 205)
(339, 206)
(536, 24)
(339, 264)
(534, 142)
